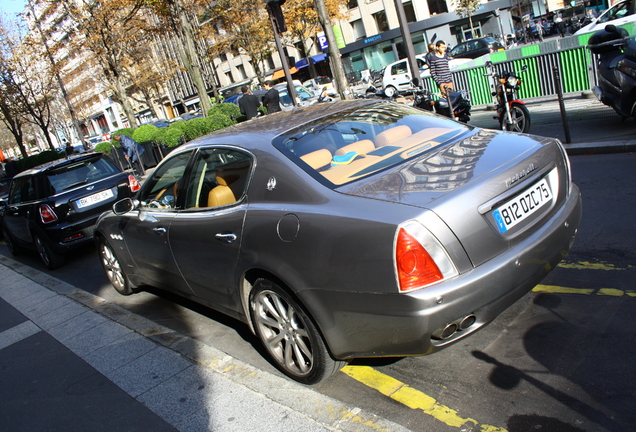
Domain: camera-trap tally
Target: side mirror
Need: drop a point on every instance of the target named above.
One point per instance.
(524, 68)
(123, 206)
(488, 64)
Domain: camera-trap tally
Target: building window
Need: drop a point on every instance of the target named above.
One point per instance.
(409, 11)
(352, 4)
(380, 21)
(223, 57)
(301, 49)
(270, 61)
(228, 76)
(358, 29)
(437, 6)
(241, 70)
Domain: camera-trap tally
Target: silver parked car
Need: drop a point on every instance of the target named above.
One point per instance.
(354, 229)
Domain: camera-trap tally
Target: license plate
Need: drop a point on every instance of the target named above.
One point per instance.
(95, 198)
(522, 206)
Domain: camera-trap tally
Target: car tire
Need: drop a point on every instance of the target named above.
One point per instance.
(390, 91)
(13, 247)
(112, 266)
(289, 335)
(49, 257)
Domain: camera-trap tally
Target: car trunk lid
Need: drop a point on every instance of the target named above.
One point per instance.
(469, 183)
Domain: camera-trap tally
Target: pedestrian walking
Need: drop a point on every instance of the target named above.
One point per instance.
(132, 151)
(560, 25)
(529, 34)
(538, 28)
(248, 103)
(271, 100)
(440, 69)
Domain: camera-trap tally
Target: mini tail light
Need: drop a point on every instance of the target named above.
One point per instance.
(420, 260)
(47, 215)
(133, 183)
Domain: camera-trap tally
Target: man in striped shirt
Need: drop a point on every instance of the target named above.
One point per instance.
(440, 71)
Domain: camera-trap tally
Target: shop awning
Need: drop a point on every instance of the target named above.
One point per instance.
(303, 63)
(280, 73)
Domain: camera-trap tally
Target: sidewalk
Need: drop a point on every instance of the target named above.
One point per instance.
(70, 361)
(593, 127)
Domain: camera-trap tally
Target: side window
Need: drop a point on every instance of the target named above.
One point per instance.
(161, 190)
(219, 178)
(22, 190)
(398, 68)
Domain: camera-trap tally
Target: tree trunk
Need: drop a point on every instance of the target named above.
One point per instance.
(190, 58)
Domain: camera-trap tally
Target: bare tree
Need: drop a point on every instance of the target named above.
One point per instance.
(466, 8)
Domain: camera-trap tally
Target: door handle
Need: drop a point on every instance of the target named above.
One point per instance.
(227, 238)
(159, 231)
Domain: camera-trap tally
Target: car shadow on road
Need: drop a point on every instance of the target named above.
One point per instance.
(585, 344)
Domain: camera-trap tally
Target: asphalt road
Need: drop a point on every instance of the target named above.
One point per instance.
(560, 359)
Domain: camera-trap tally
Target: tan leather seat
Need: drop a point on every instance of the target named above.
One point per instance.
(221, 195)
(392, 135)
(360, 147)
(318, 159)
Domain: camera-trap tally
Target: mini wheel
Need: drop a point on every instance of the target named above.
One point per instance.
(51, 259)
(289, 335)
(390, 91)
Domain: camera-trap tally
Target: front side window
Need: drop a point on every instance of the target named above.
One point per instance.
(161, 190)
(219, 177)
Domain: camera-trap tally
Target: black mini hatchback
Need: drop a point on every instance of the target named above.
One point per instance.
(53, 208)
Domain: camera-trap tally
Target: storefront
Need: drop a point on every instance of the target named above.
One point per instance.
(375, 52)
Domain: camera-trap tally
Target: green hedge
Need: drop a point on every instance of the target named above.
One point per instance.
(145, 133)
(39, 159)
(220, 116)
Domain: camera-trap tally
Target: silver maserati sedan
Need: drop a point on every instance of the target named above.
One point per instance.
(348, 230)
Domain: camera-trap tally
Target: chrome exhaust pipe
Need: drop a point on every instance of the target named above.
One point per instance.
(449, 330)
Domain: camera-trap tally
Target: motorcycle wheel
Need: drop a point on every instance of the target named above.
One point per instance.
(520, 119)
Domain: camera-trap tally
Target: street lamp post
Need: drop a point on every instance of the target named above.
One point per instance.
(278, 24)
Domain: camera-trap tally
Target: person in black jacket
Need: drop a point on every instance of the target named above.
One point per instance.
(248, 103)
(271, 100)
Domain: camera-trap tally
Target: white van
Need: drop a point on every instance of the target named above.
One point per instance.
(621, 13)
(397, 75)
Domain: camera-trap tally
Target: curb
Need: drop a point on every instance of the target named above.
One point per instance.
(330, 413)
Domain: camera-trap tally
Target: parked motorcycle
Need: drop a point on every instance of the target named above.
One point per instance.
(616, 69)
(459, 102)
(512, 113)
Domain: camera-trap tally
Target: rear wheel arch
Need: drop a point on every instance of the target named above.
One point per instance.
(287, 331)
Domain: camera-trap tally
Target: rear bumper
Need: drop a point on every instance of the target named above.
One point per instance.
(66, 237)
(358, 324)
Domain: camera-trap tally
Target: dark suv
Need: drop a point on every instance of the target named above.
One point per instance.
(53, 208)
(474, 48)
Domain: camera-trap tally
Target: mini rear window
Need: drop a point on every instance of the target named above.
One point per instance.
(357, 143)
(79, 173)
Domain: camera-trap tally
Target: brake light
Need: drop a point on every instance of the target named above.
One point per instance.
(420, 260)
(133, 183)
(415, 265)
(47, 215)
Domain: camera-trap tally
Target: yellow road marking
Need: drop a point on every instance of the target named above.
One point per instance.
(412, 398)
(586, 265)
(585, 291)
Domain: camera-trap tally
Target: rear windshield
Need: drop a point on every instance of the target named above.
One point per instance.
(354, 144)
(79, 173)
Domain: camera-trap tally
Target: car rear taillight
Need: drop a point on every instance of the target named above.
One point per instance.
(47, 215)
(420, 260)
(133, 183)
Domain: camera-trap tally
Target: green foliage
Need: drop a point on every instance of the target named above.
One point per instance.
(104, 147)
(39, 159)
(262, 109)
(218, 121)
(145, 133)
(229, 109)
(171, 136)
